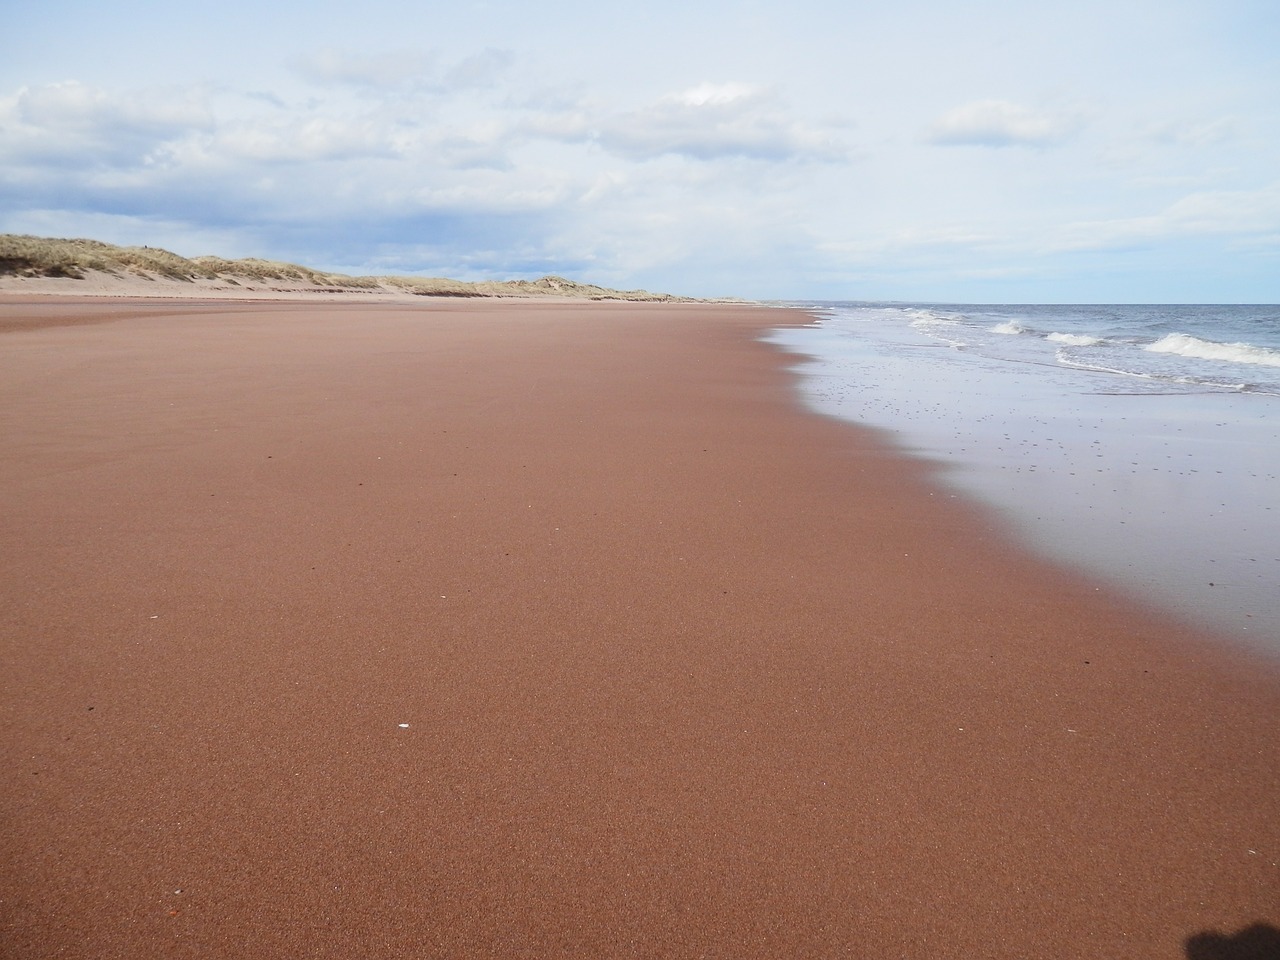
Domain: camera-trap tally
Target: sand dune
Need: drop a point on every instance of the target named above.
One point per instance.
(90, 267)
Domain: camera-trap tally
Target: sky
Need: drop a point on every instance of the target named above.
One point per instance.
(985, 151)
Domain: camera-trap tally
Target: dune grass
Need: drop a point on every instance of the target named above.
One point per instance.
(45, 257)
(28, 256)
(52, 257)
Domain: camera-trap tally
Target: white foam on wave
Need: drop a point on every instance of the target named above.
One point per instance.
(938, 328)
(1069, 361)
(924, 318)
(1076, 339)
(1009, 327)
(1185, 345)
(1210, 385)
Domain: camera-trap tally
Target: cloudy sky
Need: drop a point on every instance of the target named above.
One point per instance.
(986, 150)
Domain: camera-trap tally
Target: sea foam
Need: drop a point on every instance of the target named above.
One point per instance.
(1076, 339)
(1185, 345)
(938, 327)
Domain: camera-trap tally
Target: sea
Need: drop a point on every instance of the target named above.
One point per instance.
(1140, 444)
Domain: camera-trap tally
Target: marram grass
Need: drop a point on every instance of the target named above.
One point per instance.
(27, 256)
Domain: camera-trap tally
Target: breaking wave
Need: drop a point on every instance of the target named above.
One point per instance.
(1185, 345)
(1076, 339)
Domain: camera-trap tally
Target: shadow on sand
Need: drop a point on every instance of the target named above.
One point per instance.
(1258, 942)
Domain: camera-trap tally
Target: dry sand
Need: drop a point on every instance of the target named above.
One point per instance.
(473, 629)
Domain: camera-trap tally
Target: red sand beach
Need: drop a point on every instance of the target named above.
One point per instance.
(509, 629)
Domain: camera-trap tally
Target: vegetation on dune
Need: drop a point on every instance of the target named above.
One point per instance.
(51, 257)
(544, 287)
(253, 268)
(43, 257)
(27, 256)
(433, 286)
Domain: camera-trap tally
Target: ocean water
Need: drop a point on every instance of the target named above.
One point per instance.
(1139, 443)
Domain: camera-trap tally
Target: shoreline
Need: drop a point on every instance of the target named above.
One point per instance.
(1164, 495)
(499, 628)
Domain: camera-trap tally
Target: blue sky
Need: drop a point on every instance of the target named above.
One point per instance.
(1004, 151)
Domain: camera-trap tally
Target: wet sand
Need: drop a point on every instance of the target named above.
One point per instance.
(476, 629)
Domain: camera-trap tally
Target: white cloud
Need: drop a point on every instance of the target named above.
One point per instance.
(715, 94)
(72, 105)
(573, 125)
(713, 121)
(75, 124)
(908, 242)
(480, 70)
(386, 69)
(1201, 133)
(999, 123)
(393, 70)
(1240, 212)
(486, 196)
(307, 139)
(708, 122)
